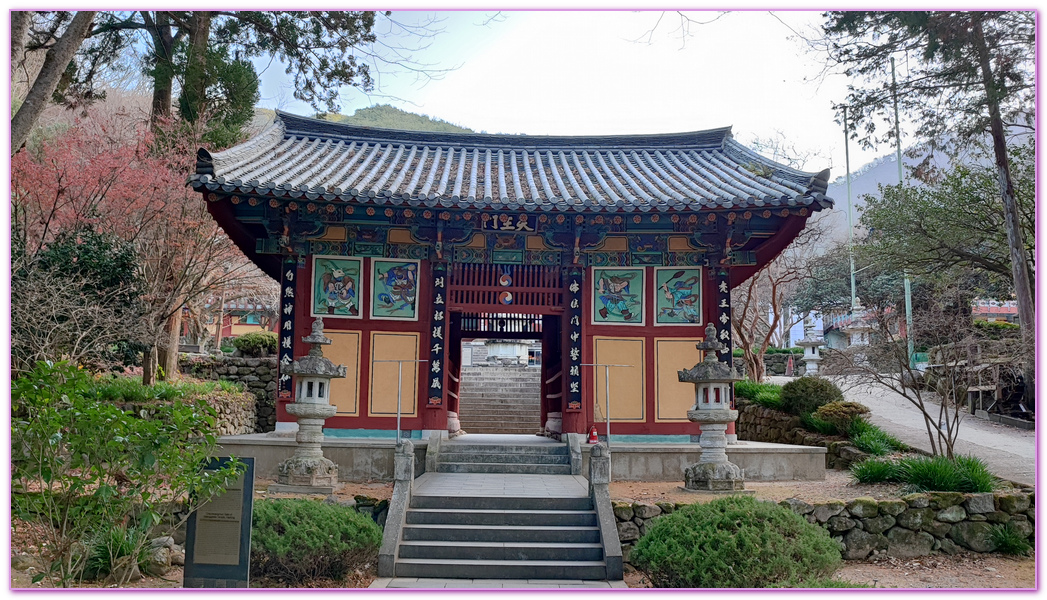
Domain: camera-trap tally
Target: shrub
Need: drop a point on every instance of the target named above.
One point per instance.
(113, 548)
(769, 399)
(860, 428)
(1009, 540)
(735, 542)
(871, 442)
(841, 414)
(873, 470)
(297, 541)
(811, 422)
(87, 465)
(806, 394)
(256, 343)
(826, 582)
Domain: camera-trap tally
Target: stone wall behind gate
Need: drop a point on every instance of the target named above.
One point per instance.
(258, 375)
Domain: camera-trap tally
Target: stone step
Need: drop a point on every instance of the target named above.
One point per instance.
(529, 469)
(516, 551)
(501, 533)
(500, 569)
(553, 449)
(529, 458)
(447, 516)
(582, 503)
(501, 430)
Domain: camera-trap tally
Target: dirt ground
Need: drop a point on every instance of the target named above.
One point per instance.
(968, 570)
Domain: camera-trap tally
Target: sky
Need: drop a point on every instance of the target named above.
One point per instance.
(604, 72)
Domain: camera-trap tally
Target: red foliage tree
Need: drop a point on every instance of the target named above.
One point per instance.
(111, 175)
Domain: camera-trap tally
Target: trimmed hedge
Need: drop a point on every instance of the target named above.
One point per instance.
(734, 542)
(807, 394)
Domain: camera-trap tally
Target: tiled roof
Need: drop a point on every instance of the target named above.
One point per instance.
(298, 157)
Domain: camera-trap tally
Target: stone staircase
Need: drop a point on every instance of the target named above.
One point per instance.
(500, 400)
(493, 511)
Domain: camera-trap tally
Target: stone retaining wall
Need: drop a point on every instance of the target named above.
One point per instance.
(760, 424)
(907, 527)
(236, 412)
(258, 375)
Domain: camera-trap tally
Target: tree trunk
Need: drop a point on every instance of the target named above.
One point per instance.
(55, 63)
(195, 86)
(20, 20)
(163, 64)
(149, 365)
(1019, 260)
(167, 356)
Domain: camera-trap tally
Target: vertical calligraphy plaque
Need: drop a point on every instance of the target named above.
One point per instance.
(573, 317)
(723, 319)
(218, 535)
(288, 278)
(437, 340)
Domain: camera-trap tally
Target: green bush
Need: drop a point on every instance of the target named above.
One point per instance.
(811, 422)
(874, 470)
(772, 400)
(89, 466)
(298, 541)
(113, 547)
(806, 394)
(826, 582)
(863, 432)
(751, 389)
(734, 542)
(841, 414)
(1009, 540)
(256, 343)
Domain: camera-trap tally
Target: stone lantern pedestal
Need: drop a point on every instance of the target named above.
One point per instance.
(309, 471)
(712, 411)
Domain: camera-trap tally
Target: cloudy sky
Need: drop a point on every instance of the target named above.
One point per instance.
(605, 72)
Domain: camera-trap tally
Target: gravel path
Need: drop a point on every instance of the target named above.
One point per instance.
(1009, 452)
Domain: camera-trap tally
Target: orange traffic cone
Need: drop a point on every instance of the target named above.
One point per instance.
(592, 435)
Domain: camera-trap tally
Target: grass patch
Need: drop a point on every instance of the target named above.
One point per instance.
(861, 427)
(1009, 540)
(811, 422)
(751, 389)
(874, 470)
(131, 389)
(965, 474)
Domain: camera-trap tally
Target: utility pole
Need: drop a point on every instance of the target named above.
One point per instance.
(901, 182)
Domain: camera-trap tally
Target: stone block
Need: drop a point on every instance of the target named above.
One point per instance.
(980, 503)
(646, 511)
(938, 529)
(917, 500)
(1012, 503)
(628, 531)
(822, 512)
(864, 507)
(1022, 524)
(667, 507)
(953, 514)
(893, 507)
(973, 535)
(904, 543)
(943, 500)
(916, 519)
(840, 523)
(860, 544)
(948, 546)
(623, 511)
(879, 524)
(997, 516)
(797, 506)
(976, 518)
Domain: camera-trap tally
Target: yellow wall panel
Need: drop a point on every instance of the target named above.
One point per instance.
(383, 385)
(679, 243)
(672, 398)
(401, 236)
(345, 350)
(627, 383)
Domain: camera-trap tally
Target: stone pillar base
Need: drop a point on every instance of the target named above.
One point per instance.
(308, 472)
(714, 477)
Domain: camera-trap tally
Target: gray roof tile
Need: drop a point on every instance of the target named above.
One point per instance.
(301, 157)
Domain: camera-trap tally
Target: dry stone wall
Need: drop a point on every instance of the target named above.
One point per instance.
(236, 411)
(907, 527)
(258, 375)
(774, 364)
(760, 424)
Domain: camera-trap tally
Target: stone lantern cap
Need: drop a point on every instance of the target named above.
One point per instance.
(314, 364)
(711, 369)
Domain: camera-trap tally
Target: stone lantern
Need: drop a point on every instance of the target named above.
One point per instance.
(308, 471)
(810, 344)
(712, 411)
